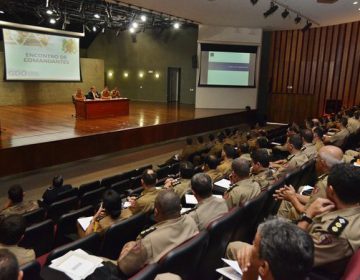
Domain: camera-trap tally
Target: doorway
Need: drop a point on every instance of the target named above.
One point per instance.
(173, 85)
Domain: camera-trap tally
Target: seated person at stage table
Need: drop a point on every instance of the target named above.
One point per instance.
(57, 188)
(171, 230)
(108, 214)
(145, 202)
(12, 229)
(16, 203)
(9, 266)
(105, 93)
(115, 93)
(209, 207)
(79, 95)
(280, 251)
(181, 185)
(93, 94)
(243, 188)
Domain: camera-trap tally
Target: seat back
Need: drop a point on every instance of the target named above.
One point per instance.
(90, 244)
(66, 230)
(35, 216)
(185, 258)
(149, 272)
(123, 231)
(39, 237)
(353, 267)
(31, 270)
(220, 232)
(122, 186)
(308, 173)
(92, 198)
(163, 172)
(293, 178)
(68, 193)
(139, 171)
(175, 168)
(88, 187)
(135, 182)
(61, 207)
(108, 181)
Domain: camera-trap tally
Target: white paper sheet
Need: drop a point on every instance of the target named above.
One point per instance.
(223, 183)
(229, 273)
(183, 210)
(126, 204)
(190, 199)
(84, 222)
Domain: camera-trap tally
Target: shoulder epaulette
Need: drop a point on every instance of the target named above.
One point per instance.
(338, 225)
(189, 211)
(303, 148)
(322, 176)
(289, 157)
(231, 187)
(147, 231)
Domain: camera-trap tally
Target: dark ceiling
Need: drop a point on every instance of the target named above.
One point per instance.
(91, 16)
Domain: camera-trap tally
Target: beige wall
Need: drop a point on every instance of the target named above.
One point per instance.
(151, 51)
(23, 93)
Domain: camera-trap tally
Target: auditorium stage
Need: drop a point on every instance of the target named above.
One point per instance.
(38, 136)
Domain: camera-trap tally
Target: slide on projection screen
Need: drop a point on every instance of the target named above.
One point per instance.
(40, 57)
(227, 65)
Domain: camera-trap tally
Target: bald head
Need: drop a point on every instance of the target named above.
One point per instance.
(331, 155)
(168, 204)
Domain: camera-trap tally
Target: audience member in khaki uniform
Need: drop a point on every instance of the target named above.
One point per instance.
(228, 153)
(209, 207)
(339, 138)
(9, 266)
(294, 203)
(188, 150)
(292, 130)
(16, 203)
(318, 136)
(260, 171)
(211, 163)
(263, 143)
(280, 251)
(181, 185)
(108, 214)
(353, 124)
(217, 148)
(294, 160)
(243, 187)
(308, 148)
(12, 229)
(200, 144)
(145, 202)
(171, 230)
(334, 222)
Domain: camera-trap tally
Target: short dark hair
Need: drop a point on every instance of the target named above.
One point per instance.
(262, 142)
(186, 169)
(261, 156)
(58, 181)
(112, 203)
(288, 249)
(212, 161)
(319, 132)
(189, 141)
(201, 185)
(344, 121)
(149, 177)
(296, 141)
(307, 135)
(244, 148)
(9, 266)
(294, 129)
(241, 167)
(168, 203)
(357, 114)
(229, 151)
(345, 180)
(200, 139)
(12, 228)
(211, 137)
(16, 193)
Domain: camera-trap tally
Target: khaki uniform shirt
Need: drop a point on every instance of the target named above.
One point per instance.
(309, 149)
(20, 208)
(353, 125)
(145, 202)
(187, 151)
(319, 144)
(22, 255)
(293, 161)
(242, 192)
(338, 138)
(155, 242)
(182, 188)
(336, 235)
(214, 175)
(264, 178)
(229, 141)
(208, 210)
(246, 157)
(224, 167)
(106, 222)
(216, 149)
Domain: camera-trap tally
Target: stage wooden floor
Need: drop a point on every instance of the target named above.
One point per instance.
(40, 136)
(26, 125)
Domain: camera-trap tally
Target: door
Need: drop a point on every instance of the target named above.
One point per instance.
(174, 81)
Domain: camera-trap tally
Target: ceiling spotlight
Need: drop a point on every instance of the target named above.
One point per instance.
(2, 12)
(49, 12)
(285, 13)
(132, 30)
(176, 25)
(96, 16)
(297, 19)
(52, 21)
(307, 26)
(271, 10)
(253, 1)
(143, 18)
(135, 25)
(355, 2)
(94, 28)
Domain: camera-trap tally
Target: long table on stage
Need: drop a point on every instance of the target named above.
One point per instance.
(92, 109)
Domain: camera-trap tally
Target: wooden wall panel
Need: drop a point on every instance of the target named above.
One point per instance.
(306, 69)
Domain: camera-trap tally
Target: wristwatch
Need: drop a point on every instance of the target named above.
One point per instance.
(305, 218)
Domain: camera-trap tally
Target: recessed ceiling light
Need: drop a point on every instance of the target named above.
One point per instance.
(49, 12)
(52, 21)
(143, 18)
(2, 12)
(176, 25)
(96, 16)
(355, 2)
(135, 25)
(132, 30)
